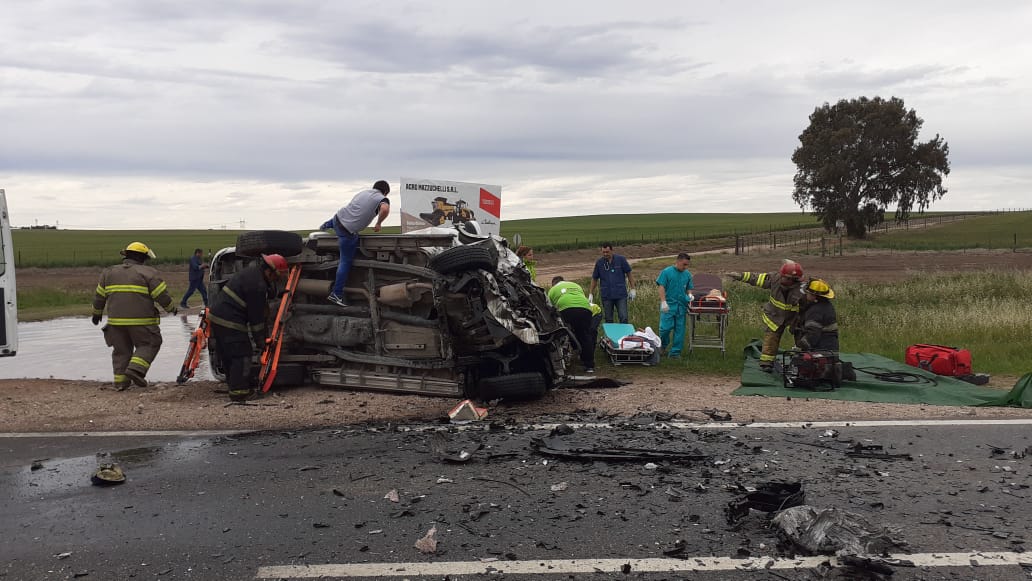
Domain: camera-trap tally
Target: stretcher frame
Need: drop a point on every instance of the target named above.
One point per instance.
(708, 316)
(618, 356)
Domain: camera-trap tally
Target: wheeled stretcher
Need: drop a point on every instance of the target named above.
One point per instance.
(708, 314)
(622, 345)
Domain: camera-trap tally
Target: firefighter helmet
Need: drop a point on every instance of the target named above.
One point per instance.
(820, 288)
(792, 269)
(139, 247)
(276, 263)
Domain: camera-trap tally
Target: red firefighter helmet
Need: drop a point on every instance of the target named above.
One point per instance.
(792, 269)
(276, 262)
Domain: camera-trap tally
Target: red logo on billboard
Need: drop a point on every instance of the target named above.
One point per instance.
(490, 203)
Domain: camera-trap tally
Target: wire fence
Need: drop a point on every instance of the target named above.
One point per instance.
(818, 240)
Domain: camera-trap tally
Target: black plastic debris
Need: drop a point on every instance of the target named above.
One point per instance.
(557, 447)
(874, 452)
(768, 497)
(832, 531)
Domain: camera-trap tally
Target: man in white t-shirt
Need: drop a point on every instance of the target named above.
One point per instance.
(348, 222)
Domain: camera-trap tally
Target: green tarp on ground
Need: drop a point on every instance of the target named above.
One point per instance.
(938, 390)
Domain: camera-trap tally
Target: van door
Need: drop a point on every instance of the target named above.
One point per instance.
(8, 293)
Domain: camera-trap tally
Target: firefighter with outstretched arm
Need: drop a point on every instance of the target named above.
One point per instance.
(237, 319)
(782, 306)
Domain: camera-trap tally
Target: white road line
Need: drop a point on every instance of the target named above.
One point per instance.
(728, 425)
(550, 426)
(572, 566)
(129, 434)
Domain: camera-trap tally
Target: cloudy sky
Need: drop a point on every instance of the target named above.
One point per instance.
(202, 114)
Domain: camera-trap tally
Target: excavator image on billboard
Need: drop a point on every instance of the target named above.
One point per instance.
(443, 211)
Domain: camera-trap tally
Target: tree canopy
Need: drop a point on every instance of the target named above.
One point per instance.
(858, 156)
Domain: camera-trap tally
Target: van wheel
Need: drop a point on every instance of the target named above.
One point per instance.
(513, 387)
(268, 242)
(464, 258)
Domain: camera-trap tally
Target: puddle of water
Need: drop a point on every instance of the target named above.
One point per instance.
(72, 348)
(64, 474)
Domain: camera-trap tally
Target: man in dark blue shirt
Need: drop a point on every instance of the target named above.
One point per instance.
(197, 268)
(610, 272)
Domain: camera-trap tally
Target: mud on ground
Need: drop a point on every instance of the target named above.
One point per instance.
(47, 405)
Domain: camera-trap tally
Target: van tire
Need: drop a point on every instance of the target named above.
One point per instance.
(513, 387)
(463, 259)
(258, 242)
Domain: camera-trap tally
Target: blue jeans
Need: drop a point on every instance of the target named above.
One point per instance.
(621, 309)
(196, 286)
(673, 320)
(348, 244)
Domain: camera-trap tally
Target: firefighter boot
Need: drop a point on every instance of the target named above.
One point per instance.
(136, 377)
(242, 395)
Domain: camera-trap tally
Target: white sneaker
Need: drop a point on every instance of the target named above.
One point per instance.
(336, 300)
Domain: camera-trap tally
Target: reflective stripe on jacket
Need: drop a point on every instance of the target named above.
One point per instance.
(242, 301)
(782, 306)
(129, 291)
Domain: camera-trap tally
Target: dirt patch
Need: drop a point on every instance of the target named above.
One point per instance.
(39, 405)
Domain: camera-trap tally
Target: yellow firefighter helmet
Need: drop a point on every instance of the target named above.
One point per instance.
(139, 247)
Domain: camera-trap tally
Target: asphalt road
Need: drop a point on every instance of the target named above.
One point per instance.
(292, 505)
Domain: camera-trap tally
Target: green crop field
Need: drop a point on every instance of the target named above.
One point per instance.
(53, 248)
(545, 234)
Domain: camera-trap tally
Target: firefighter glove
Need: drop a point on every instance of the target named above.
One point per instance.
(96, 319)
(664, 307)
(631, 294)
(735, 275)
(173, 310)
(691, 297)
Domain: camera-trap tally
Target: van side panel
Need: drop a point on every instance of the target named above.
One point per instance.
(8, 289)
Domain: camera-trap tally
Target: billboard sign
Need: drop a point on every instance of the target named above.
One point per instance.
(441, 203)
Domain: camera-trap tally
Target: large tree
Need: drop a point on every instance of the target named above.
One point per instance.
(861, 155)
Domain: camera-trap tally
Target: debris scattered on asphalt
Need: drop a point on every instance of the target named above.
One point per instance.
(63, 555)
(36, 465)
(559, 487)
(108, 475)
(446, 451)
(559, 448)
(832, 531)
(392, 496)
(768, 497)
(874, 451)
(427, 544)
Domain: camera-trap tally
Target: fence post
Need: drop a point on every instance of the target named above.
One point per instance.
(824, 245)
(1015, 242)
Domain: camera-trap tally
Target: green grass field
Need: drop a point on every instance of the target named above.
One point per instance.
(547, 234)
(53, 248)
(987, 314)
(996, 231)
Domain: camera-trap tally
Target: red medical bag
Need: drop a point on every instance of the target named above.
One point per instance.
(939, 359)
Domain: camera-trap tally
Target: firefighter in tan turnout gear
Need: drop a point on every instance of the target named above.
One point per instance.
(782, 307)
(129, 291)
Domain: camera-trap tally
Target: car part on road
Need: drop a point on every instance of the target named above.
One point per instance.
(833, 531)
(557, 447)
(108, 475)
(768, 497)
(439, 312)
